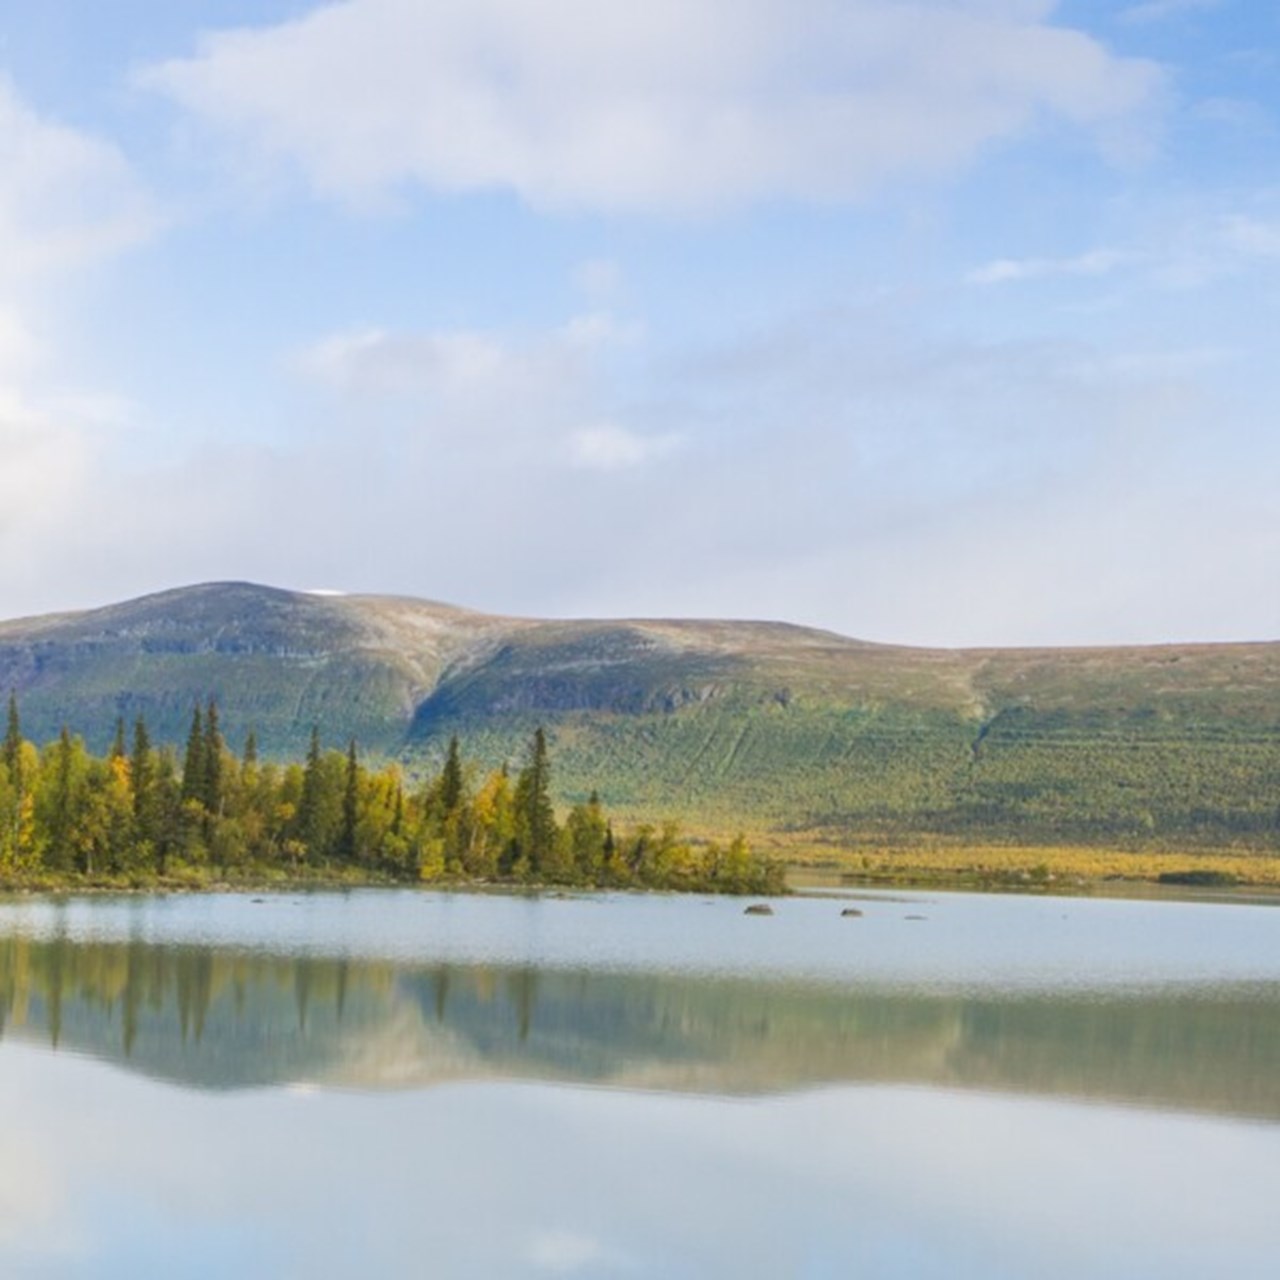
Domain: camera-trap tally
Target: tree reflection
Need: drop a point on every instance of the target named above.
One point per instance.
(223, 1018)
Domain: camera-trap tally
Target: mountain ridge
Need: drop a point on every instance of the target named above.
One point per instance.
(763, 724)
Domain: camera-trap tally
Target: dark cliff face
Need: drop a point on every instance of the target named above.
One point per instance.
(552, 669)
(740, 724)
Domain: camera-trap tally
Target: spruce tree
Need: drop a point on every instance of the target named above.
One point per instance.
(61, 816)
(211, 791)
(12, 751)
(118, 751)
(142, 775)
(451, 779)
(350, 806)
(397, 817)
(535, 816)
(193, 765)
(250, 750)
(309, 801)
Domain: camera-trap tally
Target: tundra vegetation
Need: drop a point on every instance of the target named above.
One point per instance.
(141, 814)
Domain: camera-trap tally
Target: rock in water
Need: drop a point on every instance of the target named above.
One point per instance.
(851, 911)
(758, 909)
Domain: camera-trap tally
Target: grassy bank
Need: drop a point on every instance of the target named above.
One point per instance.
(1033, 867)
(1021, 868)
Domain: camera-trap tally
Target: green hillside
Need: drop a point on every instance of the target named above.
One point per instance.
(761, 726)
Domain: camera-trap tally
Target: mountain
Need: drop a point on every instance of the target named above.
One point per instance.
(754, 725)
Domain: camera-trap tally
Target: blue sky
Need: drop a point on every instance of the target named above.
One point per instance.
(942, 322)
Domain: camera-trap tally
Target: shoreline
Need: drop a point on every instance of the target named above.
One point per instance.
(801, 881)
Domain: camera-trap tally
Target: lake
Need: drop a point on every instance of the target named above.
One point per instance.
(391, 1083)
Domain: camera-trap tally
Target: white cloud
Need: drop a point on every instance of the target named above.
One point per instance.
(472, 387)
(609, 447)
(1097, 262)
(1194, 249)
(65, 197)
(20, 350)
(455, 361)
(46, 469)
(378, 361)
(849, 469)
(670, 105)
(1252, 237)
(845, 470)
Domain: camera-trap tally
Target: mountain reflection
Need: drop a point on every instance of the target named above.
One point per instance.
(216, 1018)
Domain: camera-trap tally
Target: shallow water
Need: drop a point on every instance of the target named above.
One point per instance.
(332, 1084)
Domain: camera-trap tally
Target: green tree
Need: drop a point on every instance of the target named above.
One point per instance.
(15, 784)
(492, 850)
(348, 847)
(535, 816)
(319, 814)
(451, 781)
(12, 751)
(309, 801)
(587, 833)
(211, 790)
(146, 807)
(58, 801)
(194, 771)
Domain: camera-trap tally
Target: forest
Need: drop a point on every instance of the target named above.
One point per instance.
(145, 814)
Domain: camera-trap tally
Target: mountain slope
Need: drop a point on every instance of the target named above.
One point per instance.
(763, 726)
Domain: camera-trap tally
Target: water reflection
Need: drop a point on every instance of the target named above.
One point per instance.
(222, 1019)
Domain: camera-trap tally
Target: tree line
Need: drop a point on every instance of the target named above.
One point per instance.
(143, 812)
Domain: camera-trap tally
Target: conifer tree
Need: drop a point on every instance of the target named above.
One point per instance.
(451, 779)
(118, 750)
(10, 754)
(250, 758)
(142, 773)
(347, 845)
(12, 751)
(535, 817)
(60, 816)
(193, 764)
(610, 848)
(211, 790)
(309, 801)
(397, 819)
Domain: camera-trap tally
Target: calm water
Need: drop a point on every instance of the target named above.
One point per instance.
(384, 1083)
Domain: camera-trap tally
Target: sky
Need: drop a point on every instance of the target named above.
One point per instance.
(940, 322)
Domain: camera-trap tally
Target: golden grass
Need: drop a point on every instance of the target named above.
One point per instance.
(944, 860)
(1041, 865)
